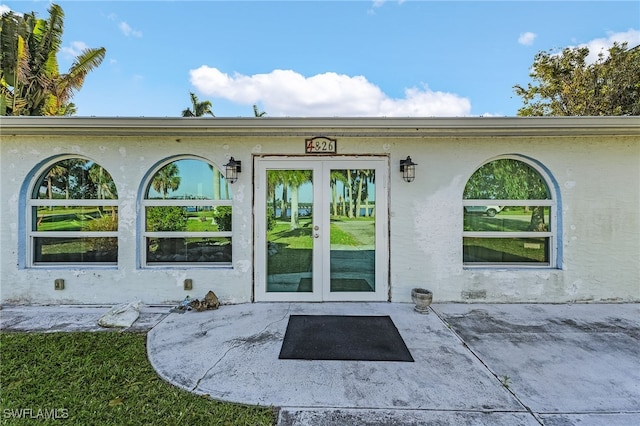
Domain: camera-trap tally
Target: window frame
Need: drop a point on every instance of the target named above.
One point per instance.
(551, 234)
(78, 202)
(153, 202)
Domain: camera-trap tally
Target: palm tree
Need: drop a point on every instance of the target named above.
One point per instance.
(364, 177)
(335, 177)
(199, 108)
(350, 192)
(167, 179)
(294, 179)
(57, 172)
(290, 180)
(257, 113)
(346, 179)
(105, 187)
(30, 82)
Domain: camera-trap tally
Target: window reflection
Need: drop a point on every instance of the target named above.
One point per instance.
(187, 215)
(498, 230)
(506, 179)
(75, 179)
(189, 179)
(74, 214)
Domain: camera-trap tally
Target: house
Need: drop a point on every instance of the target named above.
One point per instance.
(531, 210)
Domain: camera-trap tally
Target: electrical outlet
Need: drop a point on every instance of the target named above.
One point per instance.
(188, 284)
(58, 284)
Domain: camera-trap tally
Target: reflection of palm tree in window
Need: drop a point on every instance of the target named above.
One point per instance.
(335, 176)
(290, 181)
(58, 172)
(295, 179)
(167, 179)
(365, 176)
(105, 187)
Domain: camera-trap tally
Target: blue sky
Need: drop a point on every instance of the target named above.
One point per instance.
(324, 58)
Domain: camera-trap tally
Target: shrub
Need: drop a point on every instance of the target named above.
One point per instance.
(271, 220)
(222, 216)
(103, 224)
(166, 219)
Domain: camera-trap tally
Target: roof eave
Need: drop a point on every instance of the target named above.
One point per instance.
(345, 126)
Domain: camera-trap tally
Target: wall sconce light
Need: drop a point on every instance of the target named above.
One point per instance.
(233, 168)
(408, 169)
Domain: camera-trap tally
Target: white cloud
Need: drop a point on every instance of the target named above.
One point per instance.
(380, 3)
(601, 45)
(288, 93)
(527, 38)
(377, 4)
(74, 49)
(4, 9)
(128, 31)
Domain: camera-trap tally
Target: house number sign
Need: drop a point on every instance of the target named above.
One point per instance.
(320, 145)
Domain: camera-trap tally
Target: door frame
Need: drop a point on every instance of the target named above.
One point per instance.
(321, 252)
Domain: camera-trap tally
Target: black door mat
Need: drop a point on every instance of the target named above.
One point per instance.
(343, 338)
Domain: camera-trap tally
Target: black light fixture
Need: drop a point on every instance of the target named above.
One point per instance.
(408, 169)
(233, 168)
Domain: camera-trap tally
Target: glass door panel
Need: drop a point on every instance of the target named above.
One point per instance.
(321, 229)
(289, 231)
(352, 213)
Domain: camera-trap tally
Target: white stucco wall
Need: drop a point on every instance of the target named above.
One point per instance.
(598, 184)
(128, 160)
(597, 177)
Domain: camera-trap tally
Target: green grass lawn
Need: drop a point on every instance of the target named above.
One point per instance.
(301, 238)
(101, 378)
(201, 224)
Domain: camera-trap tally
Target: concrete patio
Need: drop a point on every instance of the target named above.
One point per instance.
(481, 364)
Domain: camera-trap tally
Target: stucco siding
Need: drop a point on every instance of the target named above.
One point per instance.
(598, 187)
(596, 180)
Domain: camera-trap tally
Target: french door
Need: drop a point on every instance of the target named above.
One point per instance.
(321, 229)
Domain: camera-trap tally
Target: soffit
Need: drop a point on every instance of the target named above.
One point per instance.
(340, 126)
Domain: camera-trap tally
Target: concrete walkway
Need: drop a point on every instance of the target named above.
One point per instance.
(474, 364)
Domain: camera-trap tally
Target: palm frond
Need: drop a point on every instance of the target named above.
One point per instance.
(66, 84)
(49, 33)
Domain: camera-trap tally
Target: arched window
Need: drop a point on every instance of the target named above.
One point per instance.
(509, 215)
(186, 215)
(73, 215)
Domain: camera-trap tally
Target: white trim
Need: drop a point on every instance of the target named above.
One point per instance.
(74, 234)
(41, 202)
(151, 202)
(514, 203)
(498, 234)
(144, 235)
(32, 203)
(321, 167)
(552, 234)
(187, 234)
(363, 126)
